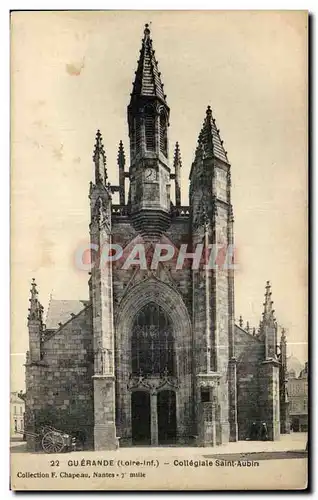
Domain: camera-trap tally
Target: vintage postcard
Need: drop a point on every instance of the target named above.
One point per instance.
(159, 250)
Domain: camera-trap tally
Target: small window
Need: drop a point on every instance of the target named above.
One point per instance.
(15, 425)
(21, 410)
(15, 410)
(205, 395)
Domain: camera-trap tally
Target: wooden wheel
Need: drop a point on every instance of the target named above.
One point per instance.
(53, 442)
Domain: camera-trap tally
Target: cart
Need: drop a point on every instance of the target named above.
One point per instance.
(53, 440)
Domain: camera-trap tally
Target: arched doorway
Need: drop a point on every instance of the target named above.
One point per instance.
(140, 416)
(167, 424)
(128, 371)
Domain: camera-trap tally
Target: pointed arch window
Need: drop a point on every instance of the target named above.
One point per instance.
(150, 131)
(152, 342)
(163, 133)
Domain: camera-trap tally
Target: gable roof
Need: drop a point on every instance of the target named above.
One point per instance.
(60, 311)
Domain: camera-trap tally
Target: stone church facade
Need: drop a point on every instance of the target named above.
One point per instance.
(154, 355)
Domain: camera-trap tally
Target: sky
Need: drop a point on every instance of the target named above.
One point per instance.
(72, 73)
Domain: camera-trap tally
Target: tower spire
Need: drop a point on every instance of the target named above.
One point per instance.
(149, 169)
(121, 165)
(147, 77)
(177, 163)
(99, 158)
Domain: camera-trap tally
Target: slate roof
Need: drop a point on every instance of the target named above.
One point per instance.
(210, 139)
(147, 80)
(14, 398)
(60, 311)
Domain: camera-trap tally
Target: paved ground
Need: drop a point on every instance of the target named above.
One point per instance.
(289, 446)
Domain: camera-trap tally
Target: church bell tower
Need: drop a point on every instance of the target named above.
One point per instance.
(148, 121)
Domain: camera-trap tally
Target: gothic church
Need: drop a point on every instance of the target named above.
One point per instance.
(154, 356)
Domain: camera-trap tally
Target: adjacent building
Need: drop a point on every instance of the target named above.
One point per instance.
(17, 408)
(298, 400)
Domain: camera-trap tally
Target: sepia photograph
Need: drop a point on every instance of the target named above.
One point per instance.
(159, 250)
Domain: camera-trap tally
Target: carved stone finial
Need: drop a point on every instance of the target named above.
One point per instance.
(121, 155)
(177, 156)
(35, 309)
(268, 303)
(209, 112)
(99, 158)
(147, 31)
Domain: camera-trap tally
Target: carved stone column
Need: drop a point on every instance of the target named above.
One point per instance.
(154, 419)
(104, 413)
(233, 400)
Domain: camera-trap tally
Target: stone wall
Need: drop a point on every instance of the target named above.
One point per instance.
(60, 387)
(249, 352)
(269, 397)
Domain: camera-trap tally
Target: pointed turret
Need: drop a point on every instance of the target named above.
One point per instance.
(209, 143)
(147, 77)
(268, 325)
(36, 309)
(268, 314)
(283, 386)
(121, 166)
(99, 158)
(283, 350)
(210, 139)
(35, 325)
(177, 163)
(270, 370)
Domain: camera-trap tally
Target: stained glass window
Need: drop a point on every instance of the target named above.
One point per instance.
(152, 342)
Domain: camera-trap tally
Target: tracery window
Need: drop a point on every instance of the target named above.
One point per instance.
(152, 342)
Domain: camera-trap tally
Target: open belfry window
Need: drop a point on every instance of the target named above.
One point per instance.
(138, 136)
(152, 342)
(163, 133)
(150, 129)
